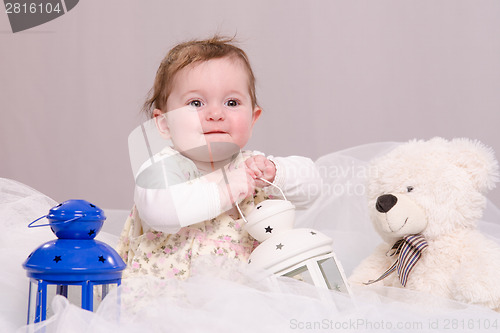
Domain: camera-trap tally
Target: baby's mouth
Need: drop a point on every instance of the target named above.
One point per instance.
(214, 132)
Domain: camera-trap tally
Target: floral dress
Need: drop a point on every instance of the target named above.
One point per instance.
(169, 255)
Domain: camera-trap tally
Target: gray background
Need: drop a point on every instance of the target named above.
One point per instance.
(331, 75)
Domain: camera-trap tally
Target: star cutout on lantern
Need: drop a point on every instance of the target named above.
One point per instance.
(57, 259)
(313, 233)
(102, 259)
(269, 229)
(279, 246)
(91, 232)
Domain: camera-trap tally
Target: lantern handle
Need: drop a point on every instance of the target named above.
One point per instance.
(266, 181)
(49, 224)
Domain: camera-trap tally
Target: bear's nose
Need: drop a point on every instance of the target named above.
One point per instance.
(385, 202)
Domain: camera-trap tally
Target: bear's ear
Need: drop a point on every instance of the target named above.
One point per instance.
(478, 161)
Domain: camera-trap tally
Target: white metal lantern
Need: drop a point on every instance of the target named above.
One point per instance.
(304, 254)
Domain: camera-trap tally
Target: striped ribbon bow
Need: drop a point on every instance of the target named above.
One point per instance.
(409, 250)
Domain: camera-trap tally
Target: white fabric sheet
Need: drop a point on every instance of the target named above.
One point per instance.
(222, 296)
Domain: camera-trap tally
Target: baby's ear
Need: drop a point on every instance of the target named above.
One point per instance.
(257, 111)
(479, 162)
(161, 123)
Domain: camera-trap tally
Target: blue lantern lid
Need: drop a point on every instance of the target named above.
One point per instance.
(84, 210)
(74, 219)
(75, 255)
(74, 260)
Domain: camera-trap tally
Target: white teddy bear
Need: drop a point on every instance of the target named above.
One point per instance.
(425, 198)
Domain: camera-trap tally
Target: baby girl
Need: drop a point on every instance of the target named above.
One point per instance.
(203, 101)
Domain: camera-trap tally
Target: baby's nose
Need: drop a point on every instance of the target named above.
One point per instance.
(215, 113)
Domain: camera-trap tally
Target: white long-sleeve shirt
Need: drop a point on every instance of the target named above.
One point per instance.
(172, 193)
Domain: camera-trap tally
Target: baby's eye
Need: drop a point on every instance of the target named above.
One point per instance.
(232, 103)
(196, 103)
(409, 188)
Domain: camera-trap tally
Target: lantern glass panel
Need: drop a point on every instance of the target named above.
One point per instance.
(72, 292)
(33, 294)
(332, 276)
(301, 274)
(100, 291)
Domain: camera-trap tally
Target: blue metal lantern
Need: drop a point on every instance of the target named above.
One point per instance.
(75, 265)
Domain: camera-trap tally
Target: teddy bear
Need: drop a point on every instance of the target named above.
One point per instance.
(425, 199)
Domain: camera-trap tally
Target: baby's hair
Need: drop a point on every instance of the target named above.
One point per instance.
(190, 52)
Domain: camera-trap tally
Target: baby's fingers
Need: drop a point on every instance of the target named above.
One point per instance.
(269, 171)
(257, 164)
(252, 167)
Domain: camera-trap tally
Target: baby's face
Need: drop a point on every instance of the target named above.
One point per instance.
(210, 102)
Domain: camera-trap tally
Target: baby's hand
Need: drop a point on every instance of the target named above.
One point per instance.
(239, 184)
(261, 167)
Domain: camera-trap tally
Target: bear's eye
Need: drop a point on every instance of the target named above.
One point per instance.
(409, 188)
